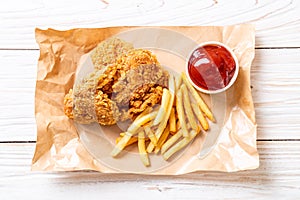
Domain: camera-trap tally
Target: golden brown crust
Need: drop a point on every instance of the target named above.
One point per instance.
(143, 97)
(107, 52)
(68, 102)
(111, 90)
(105, 109)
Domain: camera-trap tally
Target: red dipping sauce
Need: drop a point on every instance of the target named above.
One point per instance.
(211, 67)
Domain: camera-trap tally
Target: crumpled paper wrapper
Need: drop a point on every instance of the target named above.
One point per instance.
(59, 147)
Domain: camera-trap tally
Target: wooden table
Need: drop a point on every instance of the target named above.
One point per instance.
(275, 78)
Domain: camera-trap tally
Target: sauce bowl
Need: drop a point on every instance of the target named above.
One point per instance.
(212, 67)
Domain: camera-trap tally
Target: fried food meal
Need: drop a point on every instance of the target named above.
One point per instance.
(165, 113)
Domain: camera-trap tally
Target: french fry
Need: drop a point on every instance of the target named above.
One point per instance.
(162, 109)
(180, 113)
(141, 121)
(188, 126)
(178, 125)
(158, 133)
(171, 84)
(151, 135)
(171, 141)
(162, 139)
(198, 98)
(161, 127)
(178, 82)
(179, 145)
(130, 142)
(121, 144)
(122, 134)
(172, 121)
(200, 117)
(142, 148)
(145, 112)
(188, 109)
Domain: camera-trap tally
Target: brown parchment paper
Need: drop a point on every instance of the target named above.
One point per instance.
(58, 146)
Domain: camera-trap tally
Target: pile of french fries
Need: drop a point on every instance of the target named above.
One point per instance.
(168, 128)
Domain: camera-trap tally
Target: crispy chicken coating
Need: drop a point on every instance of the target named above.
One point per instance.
(68, 102)
(145, 96)
(108, 51)
(146, 81)
(104, 95)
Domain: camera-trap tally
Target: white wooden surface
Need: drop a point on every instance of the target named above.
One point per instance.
(276, 92)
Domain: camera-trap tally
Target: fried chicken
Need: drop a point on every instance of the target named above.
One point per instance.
(143, 97)
(139, 88)
(104, 95)
(107, 52)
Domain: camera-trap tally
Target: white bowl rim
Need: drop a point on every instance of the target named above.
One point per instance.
(233, 79)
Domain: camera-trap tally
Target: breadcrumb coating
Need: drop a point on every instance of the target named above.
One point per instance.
(109, 95)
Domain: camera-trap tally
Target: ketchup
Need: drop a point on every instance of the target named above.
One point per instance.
(211, 67)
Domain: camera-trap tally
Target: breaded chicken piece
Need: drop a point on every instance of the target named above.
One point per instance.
(91, 99)
(146, 81)
(107, 52)
(143, 97)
